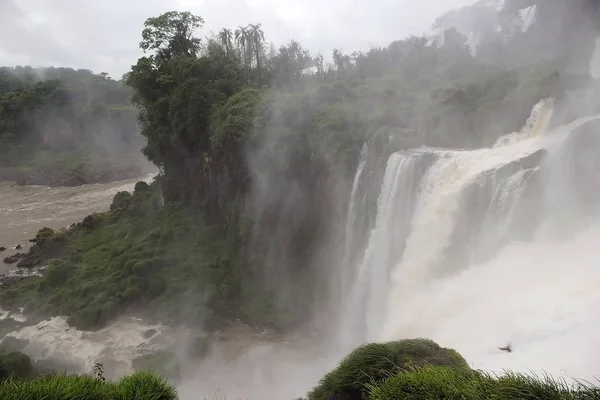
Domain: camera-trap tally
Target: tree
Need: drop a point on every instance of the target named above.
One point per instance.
(257, 36)
(171, 33)
(226, 38)
(242, 38)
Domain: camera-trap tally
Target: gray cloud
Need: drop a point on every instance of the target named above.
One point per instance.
(103, 35)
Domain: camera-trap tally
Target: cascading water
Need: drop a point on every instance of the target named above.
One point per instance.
(460, 217)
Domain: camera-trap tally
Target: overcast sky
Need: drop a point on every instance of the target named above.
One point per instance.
(103, 35)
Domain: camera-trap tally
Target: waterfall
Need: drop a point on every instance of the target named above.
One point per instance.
(438, 213)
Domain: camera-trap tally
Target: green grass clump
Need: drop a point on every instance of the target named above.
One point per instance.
(377, 361)
(139, 386)
(448, 383)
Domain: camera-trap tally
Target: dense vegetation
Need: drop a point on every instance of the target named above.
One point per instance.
(61, 126)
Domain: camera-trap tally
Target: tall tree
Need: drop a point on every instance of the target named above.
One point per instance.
(257, 37)
(226, 37)
(243, 40)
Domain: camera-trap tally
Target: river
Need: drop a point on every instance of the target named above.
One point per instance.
(24, 210)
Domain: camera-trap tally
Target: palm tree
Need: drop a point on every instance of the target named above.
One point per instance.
(242, 39)
(257, 36)
(226, 37)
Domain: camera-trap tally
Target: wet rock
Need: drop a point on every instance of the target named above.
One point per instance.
(18, 247)
(14, 258)
(149, 333)
(88, 223)
(534, 159)
(8, 325)
(141, 186)
(12, 343)
(34, 240)
(2, 249)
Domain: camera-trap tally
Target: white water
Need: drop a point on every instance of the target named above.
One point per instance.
(540, 296)
(117, 344)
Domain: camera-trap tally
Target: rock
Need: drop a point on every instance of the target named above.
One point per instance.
(18, 247)
(2, 249)
(8, 325)
(88, 223)
(534, 159)
(141, 186)
(34, 240)
(14, 258)
(12, 343)
(149, 333)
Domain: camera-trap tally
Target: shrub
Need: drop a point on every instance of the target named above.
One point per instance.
(377, 361)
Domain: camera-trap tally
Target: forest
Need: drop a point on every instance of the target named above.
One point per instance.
(65, 127)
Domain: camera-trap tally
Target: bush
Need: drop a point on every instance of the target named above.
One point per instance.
(377, 361)
(15, 364)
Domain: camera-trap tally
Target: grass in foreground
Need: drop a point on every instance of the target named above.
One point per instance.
(442, 382)
(138, 386)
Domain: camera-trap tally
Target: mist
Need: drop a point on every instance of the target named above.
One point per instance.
(441, 186)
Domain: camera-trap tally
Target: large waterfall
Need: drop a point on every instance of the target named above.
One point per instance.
(458, 251)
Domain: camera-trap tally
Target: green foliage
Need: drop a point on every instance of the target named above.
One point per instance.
(139, 386)
(377, 361)
(435, 382)
(15, 364)
(171, 33)
(62, 126)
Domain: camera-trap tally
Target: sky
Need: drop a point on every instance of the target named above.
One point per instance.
(103, 35)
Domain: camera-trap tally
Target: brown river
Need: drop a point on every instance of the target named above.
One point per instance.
(24, 210)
